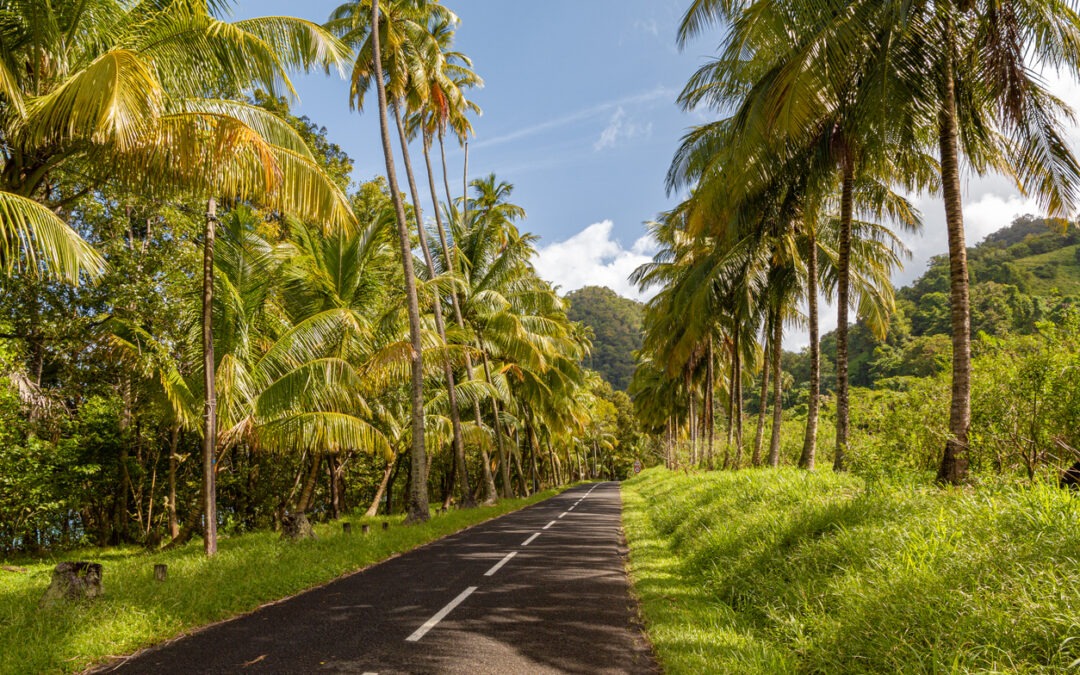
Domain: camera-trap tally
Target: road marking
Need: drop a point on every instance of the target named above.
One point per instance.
(491, 572)
(530, 539)
(563, 514)
(571, 508)
(549, 524)
(434, 621)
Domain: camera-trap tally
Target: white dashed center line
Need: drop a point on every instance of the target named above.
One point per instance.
(491, 572)
(530, 539)
(549, 525)
(434, 621)
(563, 514)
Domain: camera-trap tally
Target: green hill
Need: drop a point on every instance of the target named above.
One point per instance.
(615, 322)
(1021, 275)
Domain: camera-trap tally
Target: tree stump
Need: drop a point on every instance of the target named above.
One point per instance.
(385, 525)
(346, 528)
(296, 526)
(365, 528)
(161, 572)
(72, 582)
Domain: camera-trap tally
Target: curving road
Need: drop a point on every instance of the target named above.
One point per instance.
(541, 590)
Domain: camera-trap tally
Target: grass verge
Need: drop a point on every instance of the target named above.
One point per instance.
(780, 571)
(249, 571)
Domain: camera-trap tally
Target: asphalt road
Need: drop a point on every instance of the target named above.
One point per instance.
(541, 590)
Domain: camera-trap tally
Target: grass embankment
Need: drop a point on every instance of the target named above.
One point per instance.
(249, 570)
(783, 571)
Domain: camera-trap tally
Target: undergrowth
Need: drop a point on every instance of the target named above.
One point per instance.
(248, 571)
(783, 571)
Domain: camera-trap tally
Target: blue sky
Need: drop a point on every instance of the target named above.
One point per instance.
(579, 114)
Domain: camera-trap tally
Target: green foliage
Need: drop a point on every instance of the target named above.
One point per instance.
(785, 572)
(616, 324)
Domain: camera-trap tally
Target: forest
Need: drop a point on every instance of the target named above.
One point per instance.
(206, 320)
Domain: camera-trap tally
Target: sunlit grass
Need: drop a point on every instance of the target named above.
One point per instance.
(775, 571)
(249, 571)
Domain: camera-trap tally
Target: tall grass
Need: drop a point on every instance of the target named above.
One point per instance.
(248, 571)
(781, 571)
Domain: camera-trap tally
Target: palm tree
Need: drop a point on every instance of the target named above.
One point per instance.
(957, 76)
(122, 100)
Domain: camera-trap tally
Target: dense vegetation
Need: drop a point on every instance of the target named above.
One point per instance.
(781, 571)
(616, 331)
(205, 323)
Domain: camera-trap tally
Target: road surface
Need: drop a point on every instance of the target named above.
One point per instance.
(540, 590)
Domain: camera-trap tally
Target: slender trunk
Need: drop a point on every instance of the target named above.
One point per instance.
(504, 459)
(954, 460)
(710, 403)
(778, 394)
(332, 464)
(693, 425)
(843, 263)
(763, 409)
(418, 490)
(373, 510)
(209, 488)
(307, 495)
(738, 403)
(174, 442)
(457, 472)
(446, 175)
(806, 461)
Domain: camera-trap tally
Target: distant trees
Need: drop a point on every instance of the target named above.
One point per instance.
(616, 331)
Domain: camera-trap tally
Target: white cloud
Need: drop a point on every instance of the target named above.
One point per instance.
(649, 26)
(620, 128)
(593, 258)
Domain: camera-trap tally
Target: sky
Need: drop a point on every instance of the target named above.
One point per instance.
(580, 115)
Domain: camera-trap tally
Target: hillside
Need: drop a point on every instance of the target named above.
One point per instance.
(1021, 275)
(616, 326)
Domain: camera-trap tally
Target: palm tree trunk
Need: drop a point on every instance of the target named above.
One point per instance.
(373, 510)
(418, 491)
(446, 175)
(174, 442)
(710, 404)
(778, 394)
(209, 496)
(307, 495)
(504, 457)
(806, 460)
(693, 425)
(738, 403)
(459, 473)
(843, 263)
(763, 409)
(954, 461)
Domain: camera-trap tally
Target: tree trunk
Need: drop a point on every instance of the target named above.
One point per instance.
(847, 201)
(693, 424)
(458, 471)
(373, 510)
(710, 403)
(778, 394)
(307, 495)
(954, 460)
(418, 490)
(209, 488)
(504, 458)
(332, 464)
(462, 470)
(174, 442)
(738, 403)
(806, 460)
(763, 409)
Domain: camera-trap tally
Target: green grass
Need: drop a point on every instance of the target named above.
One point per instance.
(780, 571)
(249, 571)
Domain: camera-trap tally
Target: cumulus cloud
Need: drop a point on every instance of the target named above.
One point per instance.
(620, 128)
(593, 257)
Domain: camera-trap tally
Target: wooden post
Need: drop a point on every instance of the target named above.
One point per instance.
(346, 528)
(365, 528)
(161, 572)
(385, 525)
